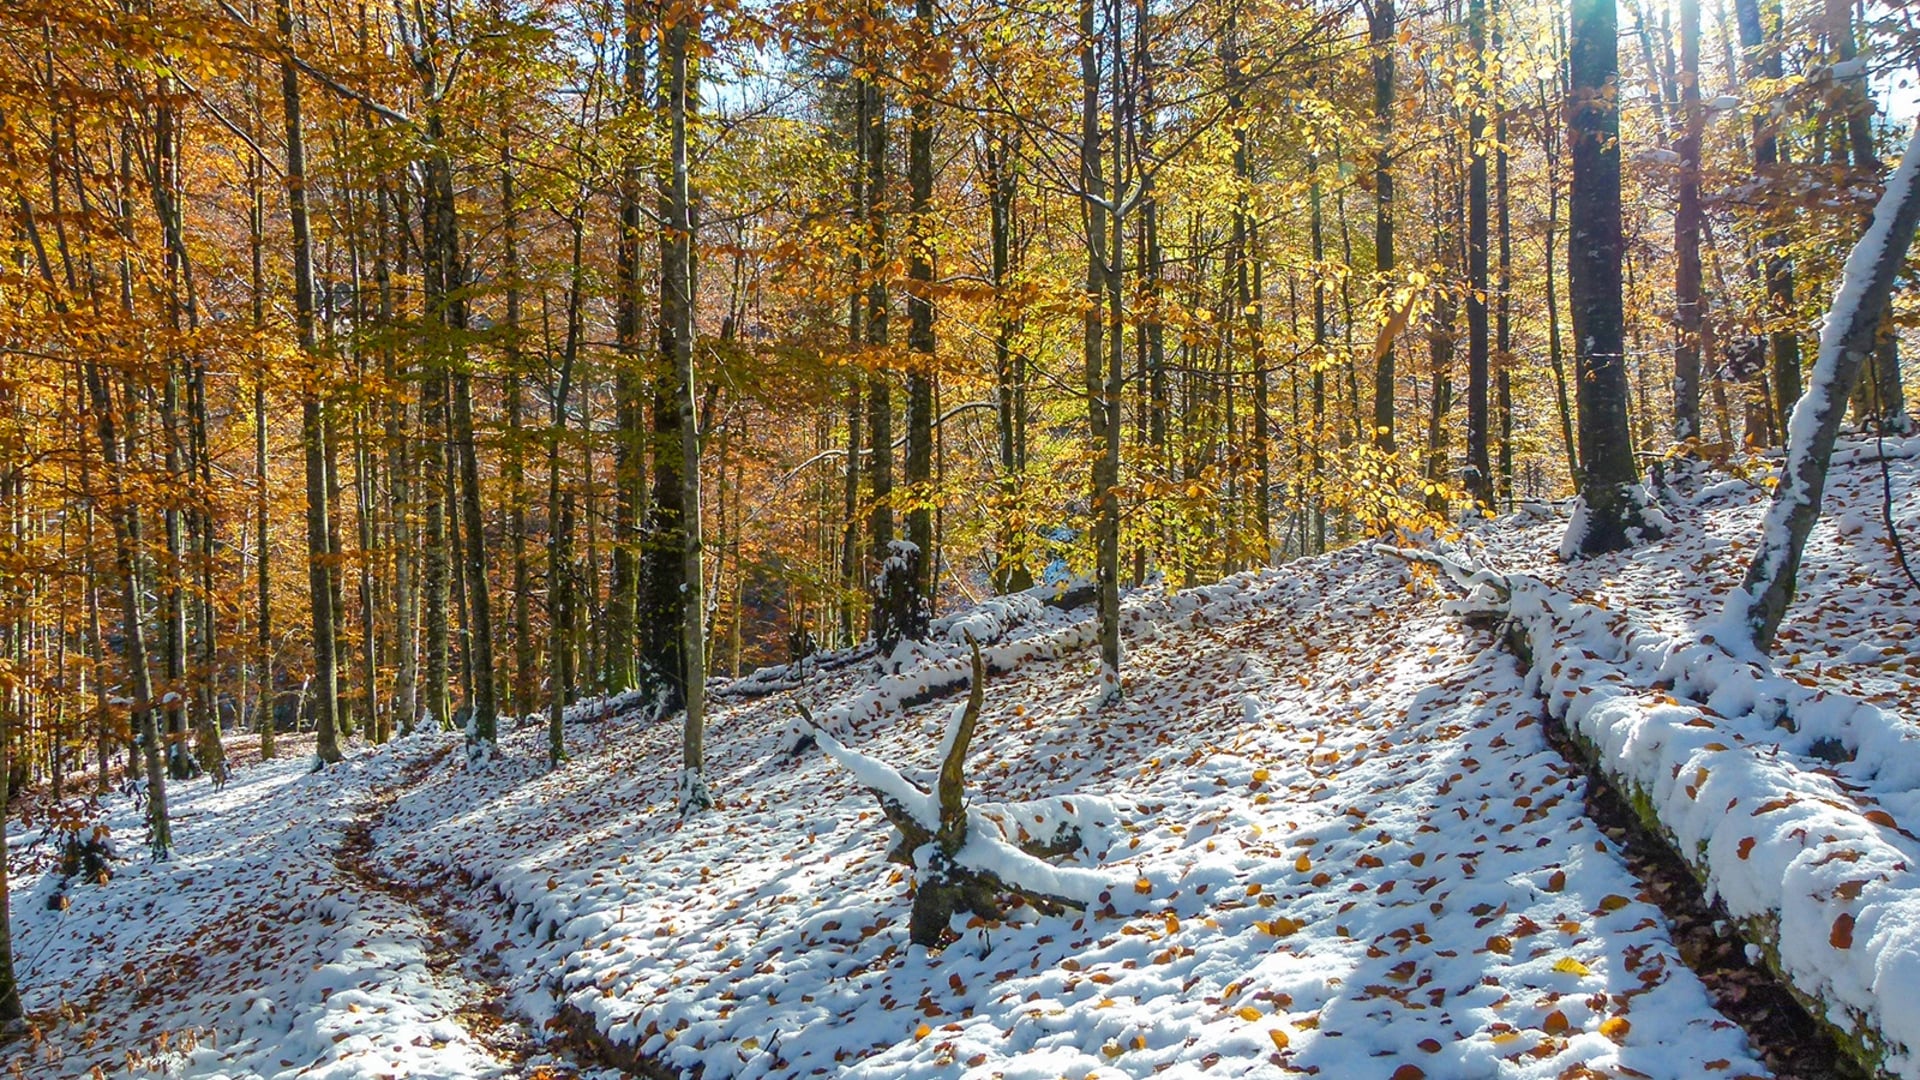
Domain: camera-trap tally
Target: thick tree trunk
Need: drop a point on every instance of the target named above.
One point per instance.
(1595, 249)
(1689, 311)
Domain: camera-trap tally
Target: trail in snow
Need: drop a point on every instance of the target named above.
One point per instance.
(251, 952)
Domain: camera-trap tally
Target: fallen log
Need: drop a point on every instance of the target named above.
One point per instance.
(1812, 875)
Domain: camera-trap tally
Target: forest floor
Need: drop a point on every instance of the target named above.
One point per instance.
(1339, 839)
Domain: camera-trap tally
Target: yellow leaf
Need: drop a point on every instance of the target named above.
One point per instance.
(1247, 1012)
(1303, 864)
(1567, 965)
(922, 1031)
(1615, 1028)
(1279, 1038)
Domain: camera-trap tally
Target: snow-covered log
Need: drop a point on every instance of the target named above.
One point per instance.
(961, 858)
(1731, 766)
(1848, 338)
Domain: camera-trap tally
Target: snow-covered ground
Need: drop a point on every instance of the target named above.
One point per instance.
(1336, 839)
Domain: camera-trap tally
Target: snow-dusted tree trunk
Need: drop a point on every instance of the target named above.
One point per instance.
(1849, 337)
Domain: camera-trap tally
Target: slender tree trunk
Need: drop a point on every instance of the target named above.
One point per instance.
(618, 671)
(400, 522)
(1879, 398)
(1011, 572)
(1763, 62)
(483, 725)
(10, 1010)
(1556, 349)
(1101, 229)
(1381, 31)
(676, 321)
(885, 622)
(263, 536)
(1503, 280)
(312, 432)
(1479, 470)
(920, 334)
(850, 586)
(525, 677)
(560, 616)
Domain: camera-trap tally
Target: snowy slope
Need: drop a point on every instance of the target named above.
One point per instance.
(1336, 836)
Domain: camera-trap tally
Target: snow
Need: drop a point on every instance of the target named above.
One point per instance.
(1321, 829)
(1737, 752)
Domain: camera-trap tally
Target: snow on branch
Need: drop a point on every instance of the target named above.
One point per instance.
(962, 857)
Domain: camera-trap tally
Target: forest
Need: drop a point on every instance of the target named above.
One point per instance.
(466, 370)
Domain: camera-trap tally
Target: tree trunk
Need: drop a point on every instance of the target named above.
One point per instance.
(312, 436)
(676, 322)
(1595, 249)
(920, 336)
(10, 1011)
(1101, 229)
(1503, 285)
(1479, 470)
(1766, 161)
(1011, 572)
(401, 539)
(1381, 37)
(1851, 332)
(618, 671)
(887, 620)
(525, 674)
(1688, 308)
(560, 616)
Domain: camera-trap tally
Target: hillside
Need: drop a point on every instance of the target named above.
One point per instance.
(1336, 838)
